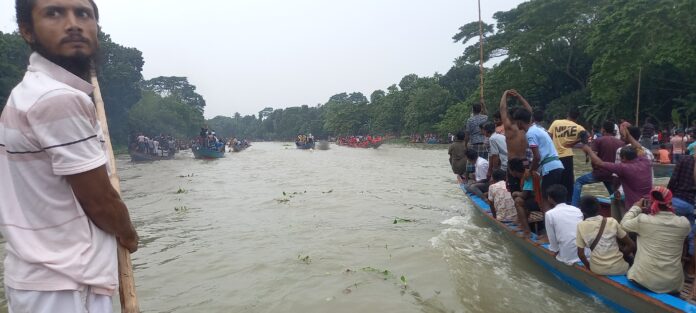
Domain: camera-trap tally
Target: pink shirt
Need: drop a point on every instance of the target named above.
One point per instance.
(48, 130)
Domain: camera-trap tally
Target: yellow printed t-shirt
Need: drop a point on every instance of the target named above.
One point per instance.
(564, 132)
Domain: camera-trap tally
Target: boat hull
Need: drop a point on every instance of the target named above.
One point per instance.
(615, 291)
(144, 157)
(206, 153)
(304, 146)
(663, 170)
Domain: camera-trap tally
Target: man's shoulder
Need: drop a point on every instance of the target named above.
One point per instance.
(37, 87)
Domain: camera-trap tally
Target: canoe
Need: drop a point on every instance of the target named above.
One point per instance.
(146, 157)
(323, 145)
(239, 148)
(207, 153)
(362, 144)
(663, 170)
(615, 291)
(304, 145)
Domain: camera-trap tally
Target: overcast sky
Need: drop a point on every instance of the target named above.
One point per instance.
(244, 55)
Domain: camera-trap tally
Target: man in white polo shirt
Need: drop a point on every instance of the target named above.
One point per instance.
(59, 214)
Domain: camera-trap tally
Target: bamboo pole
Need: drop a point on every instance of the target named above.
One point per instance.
(481, 58)
(126, 282)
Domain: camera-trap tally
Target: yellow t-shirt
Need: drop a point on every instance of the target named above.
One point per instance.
(564, 132)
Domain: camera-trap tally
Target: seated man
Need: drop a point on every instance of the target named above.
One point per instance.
(600, 235)
(561, 225)
(500, 199)
(480, 185)
(661, 234)
(525, 200)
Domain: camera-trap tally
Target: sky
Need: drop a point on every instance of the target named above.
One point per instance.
(244, 55)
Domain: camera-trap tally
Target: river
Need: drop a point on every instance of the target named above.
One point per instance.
(276, 229)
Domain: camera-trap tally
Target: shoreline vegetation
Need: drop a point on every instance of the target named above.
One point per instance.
(562, 54)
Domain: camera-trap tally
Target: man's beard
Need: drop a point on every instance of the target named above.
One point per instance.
(79, 64)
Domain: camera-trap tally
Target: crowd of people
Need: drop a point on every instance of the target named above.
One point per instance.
(360, 141)
(526, 173)
(208, 139)
(160, 145)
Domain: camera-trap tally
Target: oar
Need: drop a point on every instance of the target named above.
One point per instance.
(129, 300)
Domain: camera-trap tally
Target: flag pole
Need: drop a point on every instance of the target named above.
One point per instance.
(483, 105)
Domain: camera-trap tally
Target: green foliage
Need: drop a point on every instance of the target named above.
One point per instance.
(154, 115)
(13, 62)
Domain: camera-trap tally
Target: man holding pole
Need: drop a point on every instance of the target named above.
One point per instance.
(59, 213)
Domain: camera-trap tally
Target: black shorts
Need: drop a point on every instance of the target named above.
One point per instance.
(531, 205)
(513, 183)
(554, 177)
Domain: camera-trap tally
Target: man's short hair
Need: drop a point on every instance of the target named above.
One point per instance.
(488, 127)
(574, 113)
(499, 175)
(496, 115)
(634, 131)
(629, 153)
(608, 127)
(471, 154)
(476, 107)
(557, 193)
(589, 205)
(460, 135)
(24, 7)
(516, 165)
(522, 115)
(538, 115)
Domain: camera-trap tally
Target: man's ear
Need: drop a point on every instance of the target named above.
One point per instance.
(27, 33)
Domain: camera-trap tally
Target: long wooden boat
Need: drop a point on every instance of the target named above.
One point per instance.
(615, 291)
(304, 145)
(200, 152)
(146, 157)
(323, 145)
(239, 148)
(663, 170)
(362, 144)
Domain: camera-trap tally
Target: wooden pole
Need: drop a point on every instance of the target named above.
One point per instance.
(640, 72)
(126, 283)
(480, 50)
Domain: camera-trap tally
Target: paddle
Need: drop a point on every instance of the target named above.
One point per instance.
(129, 300)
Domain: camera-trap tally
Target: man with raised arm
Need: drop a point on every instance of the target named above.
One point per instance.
(515, 139)
(59, 214)
(545, 158)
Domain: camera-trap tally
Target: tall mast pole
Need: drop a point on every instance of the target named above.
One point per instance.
(640, 72)
(481, 57)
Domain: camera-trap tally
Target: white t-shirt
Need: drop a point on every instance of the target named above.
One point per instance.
(49, 130)
(561, 228)
(481, 169)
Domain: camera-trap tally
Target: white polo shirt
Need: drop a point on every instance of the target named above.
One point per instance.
(48, 130)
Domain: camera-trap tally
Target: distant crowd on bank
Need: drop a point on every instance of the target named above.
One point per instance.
(158, 145)
(526, 173)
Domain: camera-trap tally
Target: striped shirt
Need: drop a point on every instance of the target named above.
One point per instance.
(49, 130)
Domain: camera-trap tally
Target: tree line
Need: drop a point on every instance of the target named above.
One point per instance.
(588, 54)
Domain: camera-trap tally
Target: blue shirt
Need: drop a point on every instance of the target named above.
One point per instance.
(538, 137)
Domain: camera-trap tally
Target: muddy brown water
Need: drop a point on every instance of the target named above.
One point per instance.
(276, 229)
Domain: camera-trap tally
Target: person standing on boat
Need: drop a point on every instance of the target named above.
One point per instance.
(545, 158)
(605, 147)
(561, 225)
(497, 154)
(515, 139)
(565, 134)
(657, 265)
(633, 171)
(457, 157)
(59, 214)
(678, 142)
(474, 138)
(682, 184)
(601, 235)
(647, 133)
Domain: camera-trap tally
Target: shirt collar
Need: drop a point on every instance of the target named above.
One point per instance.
(37, 63)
